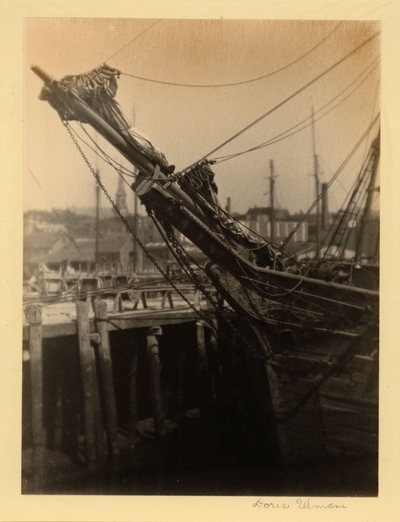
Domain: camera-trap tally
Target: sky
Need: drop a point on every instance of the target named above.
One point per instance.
(187, 123)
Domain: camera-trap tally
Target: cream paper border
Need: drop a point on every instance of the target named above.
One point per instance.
(17, 507)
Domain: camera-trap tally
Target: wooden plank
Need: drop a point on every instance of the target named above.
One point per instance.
(351, 404)
(151, 319)
(133, 400)
(342, 419)
(155, 380)
(339, 386)
(140, 296)
(99, 433)
(202, 366)
(167, 295)
(124, 321)
(36, 367)
(88, 377)
(107, 385)
(214, 362)
(117, 304)
(352, 440)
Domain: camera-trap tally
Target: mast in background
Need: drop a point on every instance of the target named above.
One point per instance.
(135, 210)
(271, 189)
(316, 176)
(363, 247)
(97, 226)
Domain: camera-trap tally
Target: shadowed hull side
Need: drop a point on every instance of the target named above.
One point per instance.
(322, 385)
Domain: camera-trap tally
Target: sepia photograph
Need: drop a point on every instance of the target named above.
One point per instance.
(201, 230)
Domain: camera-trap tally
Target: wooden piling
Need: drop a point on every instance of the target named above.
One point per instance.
(132, 407)
(88, 377)
(34, 313)
(202, 367)
(155, 380)
(214, 361)
(107, 385)
(99, 432)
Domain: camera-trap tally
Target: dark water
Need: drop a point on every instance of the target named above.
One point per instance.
(352, 479)
(195, 469)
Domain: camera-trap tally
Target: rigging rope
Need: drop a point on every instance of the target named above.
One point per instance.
(284, 135)
(341, 222)
(332, 179)
(293, 95)
(234, 84)
(120, 169)
(136, 37)
(246, 345)
(255, 353)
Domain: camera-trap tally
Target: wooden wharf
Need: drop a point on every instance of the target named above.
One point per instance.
(84, 327)
(147, 308)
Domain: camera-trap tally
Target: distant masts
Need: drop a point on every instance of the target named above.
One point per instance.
(97, 224)
(135, 210)
(271, 190)
(316, 176)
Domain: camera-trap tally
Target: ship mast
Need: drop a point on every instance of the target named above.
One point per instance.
(362, 242)
(135, 212)
(97, 232)
(271, 185)
(316, 176)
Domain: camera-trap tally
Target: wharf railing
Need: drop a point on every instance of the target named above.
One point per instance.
(92, 325)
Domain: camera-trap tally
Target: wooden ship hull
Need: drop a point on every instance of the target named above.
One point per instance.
(310, 346)
(323, 384)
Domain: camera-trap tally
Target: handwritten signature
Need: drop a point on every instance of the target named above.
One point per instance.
(301, 504)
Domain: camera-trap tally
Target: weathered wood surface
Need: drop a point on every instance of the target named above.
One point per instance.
(59, 319)
(155, 380)
(215, 369)
(328, 413)
(106, 377)
(36, 367)
(204, 368)
(121, 321)
(133, 396)
(89, 381)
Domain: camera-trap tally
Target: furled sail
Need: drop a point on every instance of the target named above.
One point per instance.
(97, 89)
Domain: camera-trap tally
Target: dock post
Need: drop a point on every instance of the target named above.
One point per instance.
(202, 366)
(34, 313)
(133, 416)
(155, 380)
(105, 364)
(214, 363)
(89, 384)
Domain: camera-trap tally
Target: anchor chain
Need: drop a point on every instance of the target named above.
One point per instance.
(120, 215)
(179, 255)
(199, 285)
(215, 302)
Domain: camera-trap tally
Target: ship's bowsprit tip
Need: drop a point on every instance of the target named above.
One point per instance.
(42, 74)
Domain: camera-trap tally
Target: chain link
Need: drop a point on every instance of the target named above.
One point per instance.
(193, 275)
(182, 259)
(120, 215)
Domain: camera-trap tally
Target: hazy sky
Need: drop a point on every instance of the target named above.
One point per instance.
(189, 122)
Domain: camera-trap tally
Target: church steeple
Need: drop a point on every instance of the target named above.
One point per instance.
(120, 199)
